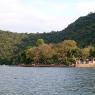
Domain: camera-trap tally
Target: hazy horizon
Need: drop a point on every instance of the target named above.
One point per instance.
(33, 16)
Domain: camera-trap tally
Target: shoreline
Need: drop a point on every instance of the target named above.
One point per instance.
(41, 65)
(58, 65)
(54, 65)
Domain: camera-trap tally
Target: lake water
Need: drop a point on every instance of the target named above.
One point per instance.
(46, 81)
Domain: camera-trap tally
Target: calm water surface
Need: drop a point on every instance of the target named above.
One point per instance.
(47, 81)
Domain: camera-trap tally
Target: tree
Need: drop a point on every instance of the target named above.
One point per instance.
(33, 54)
(67, 52)
(40, 42)
(85, 53)
(46, 53)
(92, 52)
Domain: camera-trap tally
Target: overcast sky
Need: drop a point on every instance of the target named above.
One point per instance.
(41, 15)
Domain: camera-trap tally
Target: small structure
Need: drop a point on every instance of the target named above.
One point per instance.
(86, 63)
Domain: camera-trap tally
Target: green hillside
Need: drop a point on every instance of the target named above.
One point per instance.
(9, 44)
(82, 31)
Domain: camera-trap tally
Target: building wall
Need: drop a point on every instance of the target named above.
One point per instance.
(89, 64)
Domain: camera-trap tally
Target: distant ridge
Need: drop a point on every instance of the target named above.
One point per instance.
(82, 31)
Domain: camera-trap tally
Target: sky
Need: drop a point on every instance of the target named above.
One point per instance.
(32, 16)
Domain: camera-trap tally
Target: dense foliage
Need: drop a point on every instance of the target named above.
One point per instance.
(66, 53)
(9, 43)
(15, 45)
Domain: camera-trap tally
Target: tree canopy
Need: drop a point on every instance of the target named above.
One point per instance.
(74, 39)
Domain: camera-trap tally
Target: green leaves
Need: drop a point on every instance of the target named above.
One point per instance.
(40, 42)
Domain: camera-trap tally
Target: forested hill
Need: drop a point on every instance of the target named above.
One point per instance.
(82, 31)
(9, 44)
